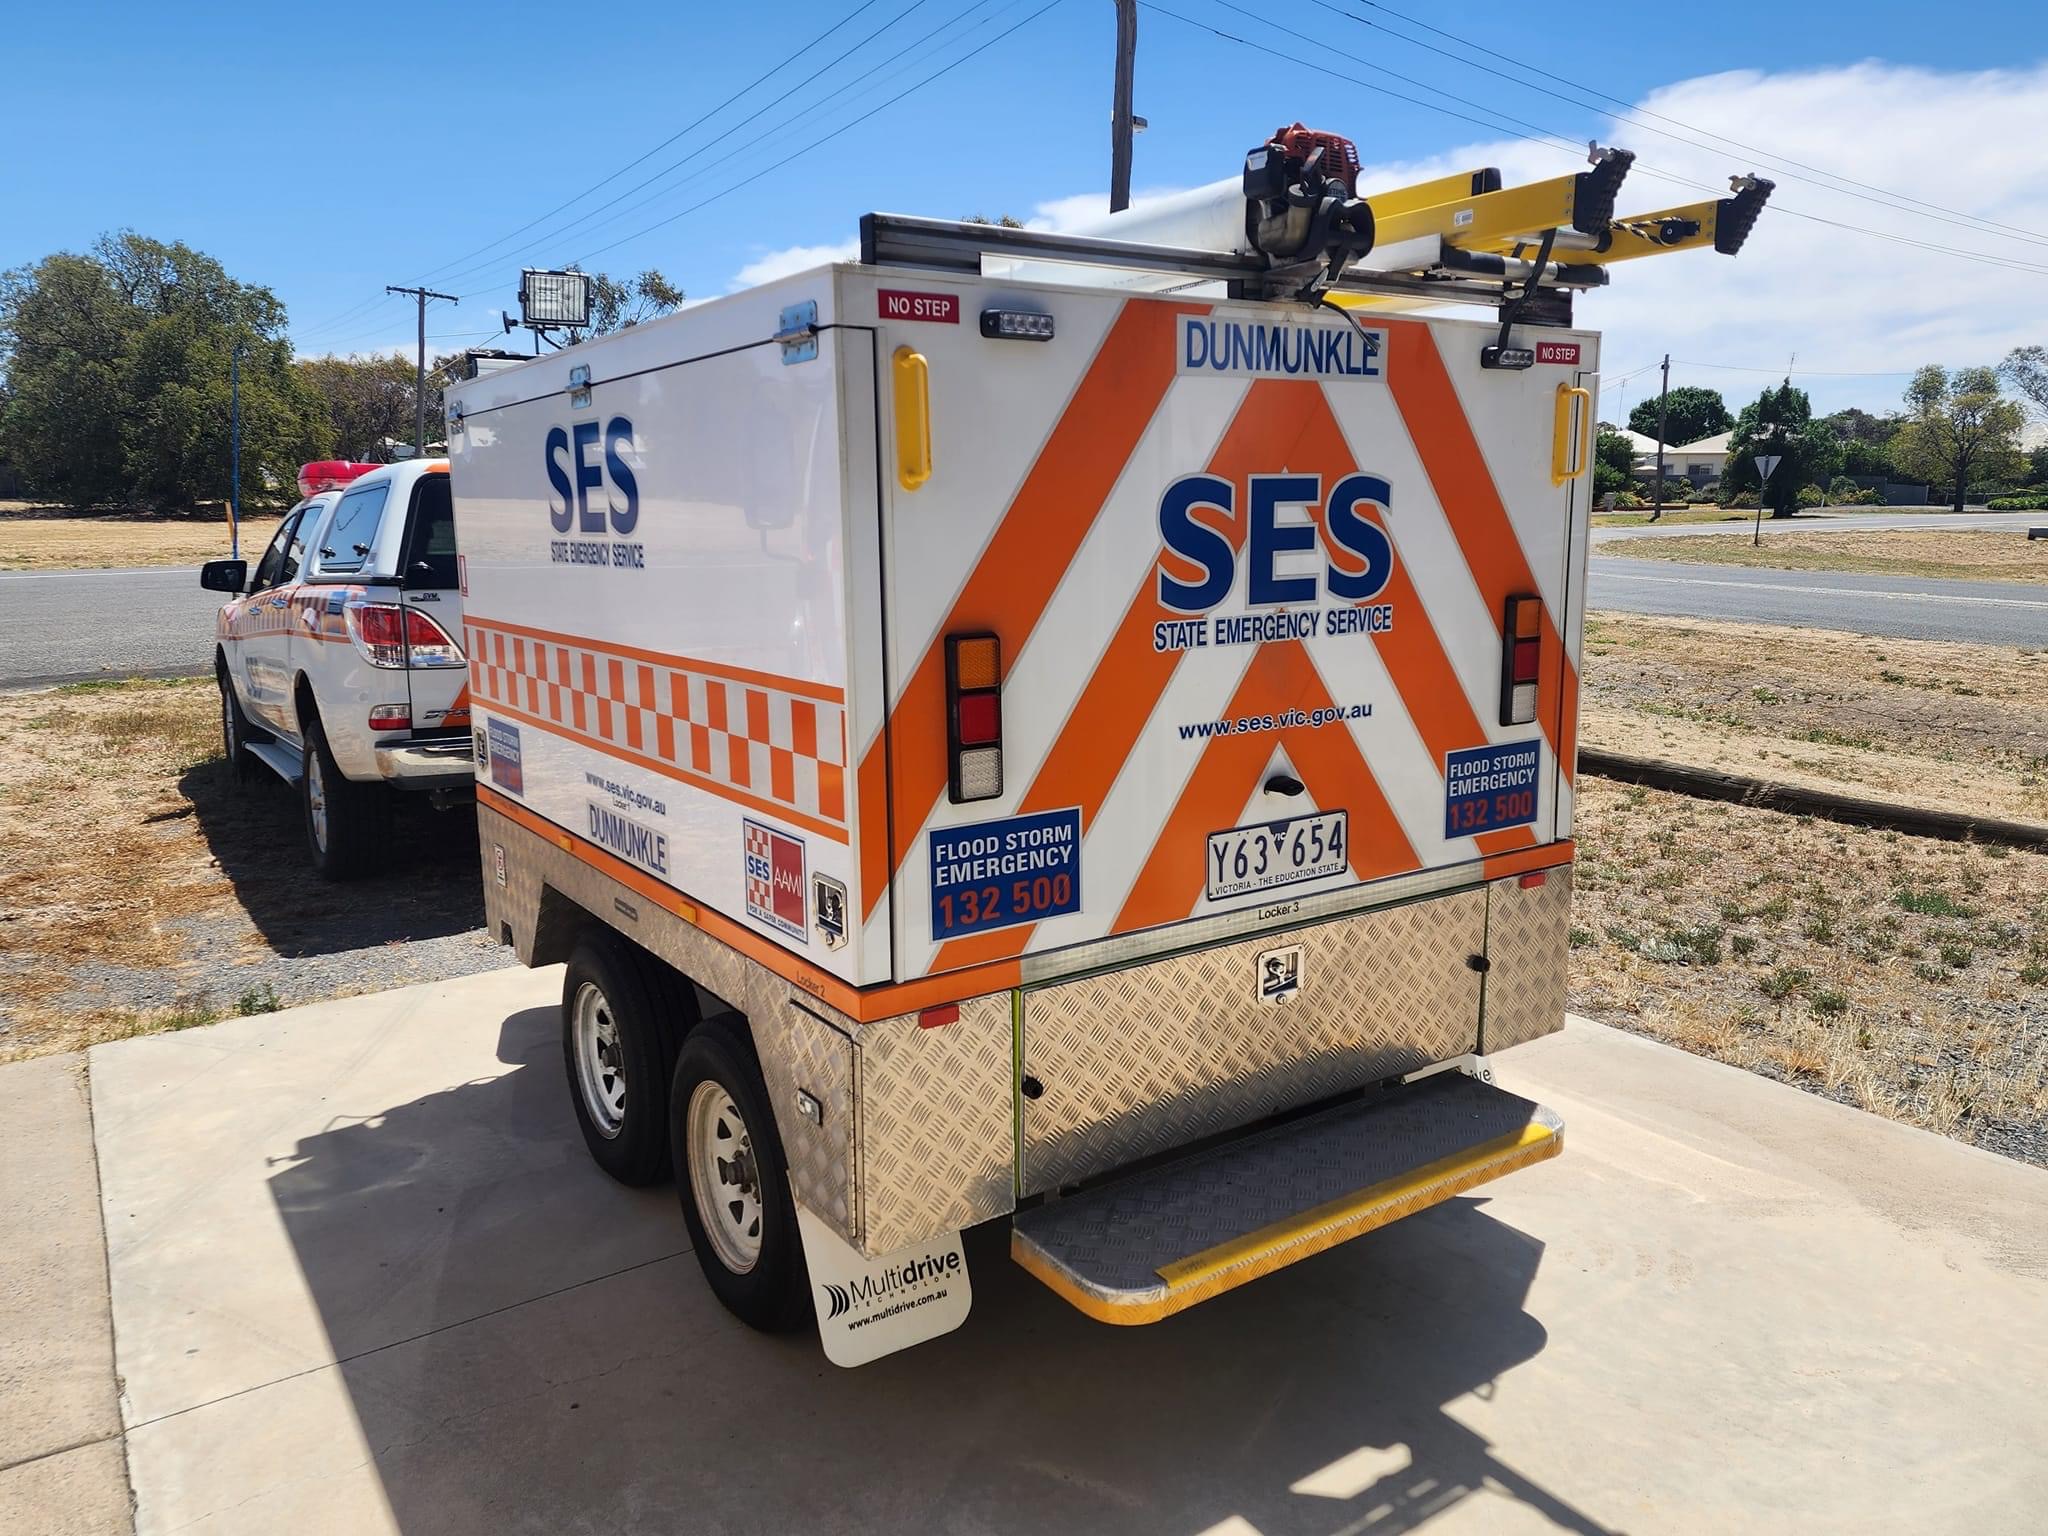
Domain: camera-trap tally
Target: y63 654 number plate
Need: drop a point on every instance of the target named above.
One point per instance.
(1276, 853)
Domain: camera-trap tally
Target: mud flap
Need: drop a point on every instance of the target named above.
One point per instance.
(868, 1308)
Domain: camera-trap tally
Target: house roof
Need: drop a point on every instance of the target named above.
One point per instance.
(1718, 443)
(1638, 443)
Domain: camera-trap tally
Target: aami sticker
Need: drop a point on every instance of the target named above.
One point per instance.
(775, 879)
(505, 766)
(1486, 788)
(995, 874)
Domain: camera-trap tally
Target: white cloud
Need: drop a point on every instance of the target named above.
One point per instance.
(792, 259)
(1843, 302)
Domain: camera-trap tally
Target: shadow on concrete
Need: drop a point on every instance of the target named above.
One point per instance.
(528, 1347)
(257, 833)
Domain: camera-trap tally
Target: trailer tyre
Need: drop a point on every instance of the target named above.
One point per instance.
(347, 824)
(733, 1181)
(612, 1047)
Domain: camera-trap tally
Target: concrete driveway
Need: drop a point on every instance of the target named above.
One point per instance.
(364, 1279)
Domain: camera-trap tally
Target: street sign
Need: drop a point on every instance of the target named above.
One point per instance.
(1765, 463)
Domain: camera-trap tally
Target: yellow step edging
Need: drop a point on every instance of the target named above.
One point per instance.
(1231, 1264)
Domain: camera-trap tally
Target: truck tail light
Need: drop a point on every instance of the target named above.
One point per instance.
(391, 636)
(1521, 659)
(974, 717)
(391, 717)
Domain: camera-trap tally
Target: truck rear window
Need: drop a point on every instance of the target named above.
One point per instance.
(353, 533)
(429, 559)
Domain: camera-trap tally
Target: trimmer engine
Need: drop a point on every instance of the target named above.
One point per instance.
(1302, 208)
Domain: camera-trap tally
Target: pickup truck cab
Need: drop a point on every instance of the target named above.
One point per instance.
(336, 655)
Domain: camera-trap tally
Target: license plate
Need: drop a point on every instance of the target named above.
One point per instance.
(1277, 853)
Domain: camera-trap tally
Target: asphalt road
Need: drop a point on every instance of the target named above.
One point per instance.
(62, 626)
(1906, 607)
(1841, 522)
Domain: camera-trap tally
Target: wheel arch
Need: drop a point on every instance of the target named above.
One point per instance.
(563, 923)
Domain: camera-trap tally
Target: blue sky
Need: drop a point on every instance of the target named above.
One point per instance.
(326, 152)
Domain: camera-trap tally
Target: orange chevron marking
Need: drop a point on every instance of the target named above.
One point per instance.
(1328, 760)
(1014, 578)
(1457, 470)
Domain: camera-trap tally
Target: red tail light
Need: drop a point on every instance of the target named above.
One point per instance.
(391, 717)
(1521, 660)
(391, 636)
(974, 718)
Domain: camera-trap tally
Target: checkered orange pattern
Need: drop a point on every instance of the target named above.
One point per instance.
(777, 743)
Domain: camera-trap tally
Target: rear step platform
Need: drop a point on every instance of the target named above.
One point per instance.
(1146, 1247)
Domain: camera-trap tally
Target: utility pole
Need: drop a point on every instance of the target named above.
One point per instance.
(1120, 121)
(235, 450)
(419, 377)
(1663, 390)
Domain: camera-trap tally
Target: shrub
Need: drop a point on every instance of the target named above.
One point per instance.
(1744, 499)
(1809, 496)
(2027, 503)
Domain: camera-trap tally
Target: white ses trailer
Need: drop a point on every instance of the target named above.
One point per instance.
(993, 740)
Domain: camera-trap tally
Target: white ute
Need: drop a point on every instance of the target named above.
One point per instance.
(337, 658)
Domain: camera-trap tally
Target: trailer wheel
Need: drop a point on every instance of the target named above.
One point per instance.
(733, 1181)
(618, 1071)
(346, 822)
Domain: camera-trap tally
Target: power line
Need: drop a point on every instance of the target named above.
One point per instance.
(1802, 373)
(1990, 224)
(664, 144)
(724, 133)
(861, 86)
(835, 133)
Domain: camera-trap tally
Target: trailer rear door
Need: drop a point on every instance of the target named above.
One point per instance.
(1247, 573)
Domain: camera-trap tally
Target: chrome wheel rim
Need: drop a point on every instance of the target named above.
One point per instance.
(725, 1178)
(316, 800)
(600, 1072)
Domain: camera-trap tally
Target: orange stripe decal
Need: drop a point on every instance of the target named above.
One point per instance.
(1030, 551)
(1327, 759)
(1457, 471)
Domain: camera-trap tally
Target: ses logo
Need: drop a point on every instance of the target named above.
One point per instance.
(1291, 559)
(581, 460)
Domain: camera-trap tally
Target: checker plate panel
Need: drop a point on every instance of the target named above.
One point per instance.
(1139, 1061)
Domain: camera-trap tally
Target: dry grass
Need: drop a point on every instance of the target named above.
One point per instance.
(97, 854)
(142, 889)
(1959, 727)
(43, 539)
(1954, 554)
(1904, 975)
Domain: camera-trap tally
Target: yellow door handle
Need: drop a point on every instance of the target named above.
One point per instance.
(913, 418)
(1561, 435)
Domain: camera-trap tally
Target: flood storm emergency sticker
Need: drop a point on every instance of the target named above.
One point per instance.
(994, 874)
(775, 879)
(1490, 787)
